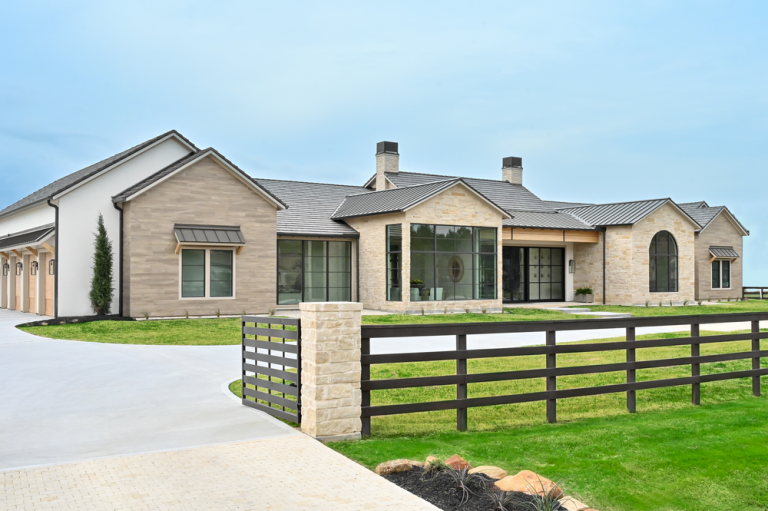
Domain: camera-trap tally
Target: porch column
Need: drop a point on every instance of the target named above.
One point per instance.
(42, 271)
(12, 283)
(3, 284)
(25, 283)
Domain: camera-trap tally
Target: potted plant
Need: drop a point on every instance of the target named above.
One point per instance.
(416, 287)
(584, 295)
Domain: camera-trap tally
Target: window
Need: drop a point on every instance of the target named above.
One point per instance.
(452, 262)
(663, 263)
(394, 262)
(313, 271)
(207, 273)
(721, 274)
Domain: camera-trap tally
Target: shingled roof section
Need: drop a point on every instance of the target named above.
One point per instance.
(542, 220)
(703, 213)
(26, 237)
(58, 186)
(310, 206)
(619, 213)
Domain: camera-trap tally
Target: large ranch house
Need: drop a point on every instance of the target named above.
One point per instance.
(192, 234)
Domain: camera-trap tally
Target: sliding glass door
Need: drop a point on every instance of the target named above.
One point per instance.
(534, 274)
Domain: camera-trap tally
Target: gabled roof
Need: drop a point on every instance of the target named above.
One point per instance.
(401, 199)
(28, 237)
(177, 166)
(66, 182)
(621, 213)
(544, 220)
(705, 214)
(310, 206)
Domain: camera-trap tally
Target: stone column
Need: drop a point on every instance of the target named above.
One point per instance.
(12, 283)
(3, 284)
(25, 283)
(42, 272)
(330, 370)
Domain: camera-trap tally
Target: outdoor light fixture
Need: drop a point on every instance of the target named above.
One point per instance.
(6, 269)
(33, 268)
(51, 267)
(19, 268)
(571, 266)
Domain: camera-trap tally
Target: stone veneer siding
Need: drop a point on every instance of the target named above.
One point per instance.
(456, 206)
(720, 232)
(204, 193)
(588, 258)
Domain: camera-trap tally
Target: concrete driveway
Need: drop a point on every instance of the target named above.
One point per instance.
(64, 401)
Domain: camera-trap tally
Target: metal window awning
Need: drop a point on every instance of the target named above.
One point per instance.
(31, 240)
(209, 235)
(723, 253)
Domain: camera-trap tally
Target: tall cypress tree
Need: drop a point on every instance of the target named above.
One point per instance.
(101, 284)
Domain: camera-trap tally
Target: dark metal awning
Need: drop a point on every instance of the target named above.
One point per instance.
(209, 234)
(723, 252)
(32, 237)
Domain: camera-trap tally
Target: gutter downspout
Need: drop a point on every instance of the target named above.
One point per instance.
(357, 267)
(56, 263)
(120, 264)
(605, 231)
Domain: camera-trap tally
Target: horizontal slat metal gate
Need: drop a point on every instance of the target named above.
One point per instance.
(271, 356)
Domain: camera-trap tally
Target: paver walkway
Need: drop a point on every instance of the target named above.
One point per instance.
(288, 474)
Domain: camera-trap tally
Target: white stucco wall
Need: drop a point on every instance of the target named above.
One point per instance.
(41, 214)
(78, 213)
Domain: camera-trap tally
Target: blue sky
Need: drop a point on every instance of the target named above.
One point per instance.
(604, 101)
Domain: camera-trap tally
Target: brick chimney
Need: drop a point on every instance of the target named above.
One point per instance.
(387, 160)
(512, 170)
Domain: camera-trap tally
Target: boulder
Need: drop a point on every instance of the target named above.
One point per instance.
(528, 482)
(572, 504)
(492, 472)
(457, 462)
(393, 466)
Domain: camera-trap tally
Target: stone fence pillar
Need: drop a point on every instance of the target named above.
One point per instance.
(330, 370)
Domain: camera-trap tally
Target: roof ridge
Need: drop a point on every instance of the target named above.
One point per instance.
(405, 188)
(459, 177)
(615, 203)
(305, 182)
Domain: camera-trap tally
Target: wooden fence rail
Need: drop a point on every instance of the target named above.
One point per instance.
(754, 293)
(551, 350)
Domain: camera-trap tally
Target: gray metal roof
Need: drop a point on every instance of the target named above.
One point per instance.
(556, 204)
(703, 213)
(620, 213)
(389, 201)
(543, 220)
(170, 169)
(74, 178)
(310, 206)
(27, 237)
(209, 234)
(723, 252)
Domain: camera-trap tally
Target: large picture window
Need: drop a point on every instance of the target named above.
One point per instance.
(663, 263)
(721, 274)
(394, 262)
(207, 273)
(313, 271)
(452, 262)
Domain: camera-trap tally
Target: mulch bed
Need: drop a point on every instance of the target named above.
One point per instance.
(440, 490)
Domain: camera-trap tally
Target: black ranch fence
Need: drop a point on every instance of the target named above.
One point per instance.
(754, 293)
(269, 358)
(550, 351)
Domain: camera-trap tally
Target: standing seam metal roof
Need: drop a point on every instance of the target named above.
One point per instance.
(620, 213)
(32, 236)
(389, 201)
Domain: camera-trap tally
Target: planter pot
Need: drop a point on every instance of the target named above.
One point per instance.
(415, 294)
(584, 298)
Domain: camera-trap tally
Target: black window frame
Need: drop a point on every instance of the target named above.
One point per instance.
(327, 271)
(720, 273)
(205, 262)
(474, 254)
(391, 228)
(669, 257)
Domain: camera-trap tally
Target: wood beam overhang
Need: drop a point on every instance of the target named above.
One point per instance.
(49, 248)
(551, 235)
(5, 254)
(32, 250)
(18, 254)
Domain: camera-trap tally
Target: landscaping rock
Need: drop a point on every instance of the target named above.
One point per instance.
(393, 466)
(525, 481)
(428, 462)
(572, 504)
(492, 472)
(457, 462)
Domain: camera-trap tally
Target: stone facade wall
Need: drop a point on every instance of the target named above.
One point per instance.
(588, 258)
(207, 194)
(456, 206)
(330, 370)
(619, 253)
(720, 232)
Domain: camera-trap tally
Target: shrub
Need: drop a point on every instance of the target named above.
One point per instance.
(462, 478)
(101, 283)
(550, 501)
(584, 291)
(498, 497)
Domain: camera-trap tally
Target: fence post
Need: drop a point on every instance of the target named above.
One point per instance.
(461, 388)
(330, 370)
(365, 375)
(756, 361)
(631, 373)
(551, 380)
(695, 367)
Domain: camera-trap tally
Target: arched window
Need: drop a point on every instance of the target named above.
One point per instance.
(663, 263)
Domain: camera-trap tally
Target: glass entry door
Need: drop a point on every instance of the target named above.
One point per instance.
(533, 274)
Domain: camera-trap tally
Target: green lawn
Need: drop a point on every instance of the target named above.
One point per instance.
(708, 458)
(720, 308)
